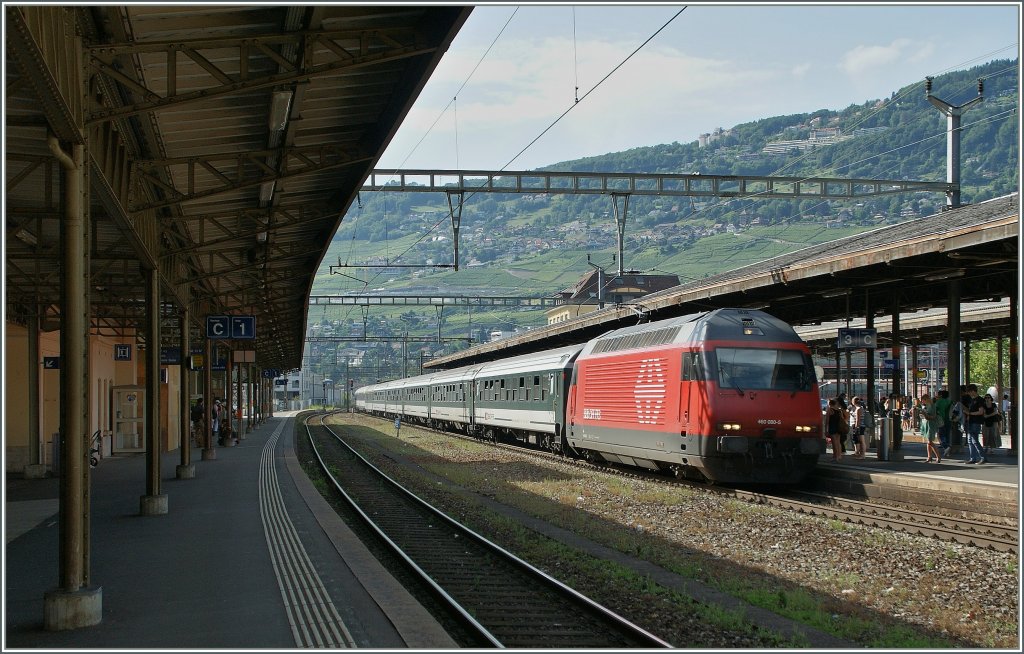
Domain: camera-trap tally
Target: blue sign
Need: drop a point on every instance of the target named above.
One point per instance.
(170, 356)
(270, 373)
(219, 365)
(218, 327)
(123, 352)
(243, 326)
(51, 363)
(857, 338)
(891, 364)
(280, 382)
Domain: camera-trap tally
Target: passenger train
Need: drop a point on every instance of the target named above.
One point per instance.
(728, 396)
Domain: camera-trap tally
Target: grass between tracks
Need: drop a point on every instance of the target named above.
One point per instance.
(556, 500)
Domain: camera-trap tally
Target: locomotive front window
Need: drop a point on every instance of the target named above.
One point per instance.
(764, 369)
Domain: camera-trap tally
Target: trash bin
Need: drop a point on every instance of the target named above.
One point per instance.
(885, 438)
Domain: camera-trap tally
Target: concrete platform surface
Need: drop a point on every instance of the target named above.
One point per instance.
(248, 555)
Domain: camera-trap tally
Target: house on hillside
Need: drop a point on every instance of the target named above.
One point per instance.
(586, 296)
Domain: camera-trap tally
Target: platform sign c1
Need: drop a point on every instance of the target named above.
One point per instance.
(243, 327)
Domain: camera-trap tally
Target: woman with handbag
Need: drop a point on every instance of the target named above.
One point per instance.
(834, 422)
(929, 429)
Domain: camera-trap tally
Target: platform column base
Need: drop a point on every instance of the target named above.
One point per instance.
(209, 454)
(153, 505)
(187, 471)
(63, 610)
(35, 471)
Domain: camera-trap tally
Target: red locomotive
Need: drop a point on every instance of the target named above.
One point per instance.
(729, 395)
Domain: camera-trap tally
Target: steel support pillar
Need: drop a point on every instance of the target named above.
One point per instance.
(73, 604)
(620, 224)
(186, 469)
(209, 452)
(869, 356)
(35, 468)
(953, 357)
(455, 211)
(953, 114)
(897, 373)
(153, 502)
(1014, 370)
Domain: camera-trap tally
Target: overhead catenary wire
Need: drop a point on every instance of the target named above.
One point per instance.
(557, 119)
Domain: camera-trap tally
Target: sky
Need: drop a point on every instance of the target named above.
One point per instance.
(494, 101)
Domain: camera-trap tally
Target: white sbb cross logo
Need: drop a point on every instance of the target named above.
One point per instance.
(649, 391)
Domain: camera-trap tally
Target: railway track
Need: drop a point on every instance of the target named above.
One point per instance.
(500, 598)
(1002, 538)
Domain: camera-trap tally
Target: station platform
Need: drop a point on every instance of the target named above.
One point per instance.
(248, 555)
(992, 488)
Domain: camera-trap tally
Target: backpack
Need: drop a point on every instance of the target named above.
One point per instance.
(956, 413)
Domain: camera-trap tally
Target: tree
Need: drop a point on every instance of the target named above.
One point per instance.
(984, 372)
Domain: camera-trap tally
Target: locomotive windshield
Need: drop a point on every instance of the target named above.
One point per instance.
(764, 369)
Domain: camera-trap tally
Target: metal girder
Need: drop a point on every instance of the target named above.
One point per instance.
(312, 54)
(694, 185)
(245, 224)
(433, 300)
(203, 177)
(44, 43)
(385, 339)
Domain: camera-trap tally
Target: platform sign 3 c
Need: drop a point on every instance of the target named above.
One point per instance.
(857, 338)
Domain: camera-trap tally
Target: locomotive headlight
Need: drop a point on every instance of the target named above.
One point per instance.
(806, 428)
(729, 426)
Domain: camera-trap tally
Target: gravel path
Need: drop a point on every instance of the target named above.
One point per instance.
(879, 588)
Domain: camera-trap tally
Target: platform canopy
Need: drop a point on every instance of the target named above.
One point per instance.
(223, 144)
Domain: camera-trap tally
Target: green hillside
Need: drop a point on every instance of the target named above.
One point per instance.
(532, 245)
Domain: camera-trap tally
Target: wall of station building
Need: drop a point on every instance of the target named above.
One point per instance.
(105, 374)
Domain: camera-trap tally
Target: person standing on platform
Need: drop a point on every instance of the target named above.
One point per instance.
(833, 418)
(215, 420)
(906, 413)
(957, 421)
(844, 412)
(941, 404)
(975, 419)
(929, 430)
(1005, 408)
(990, 428)
(857, 427)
